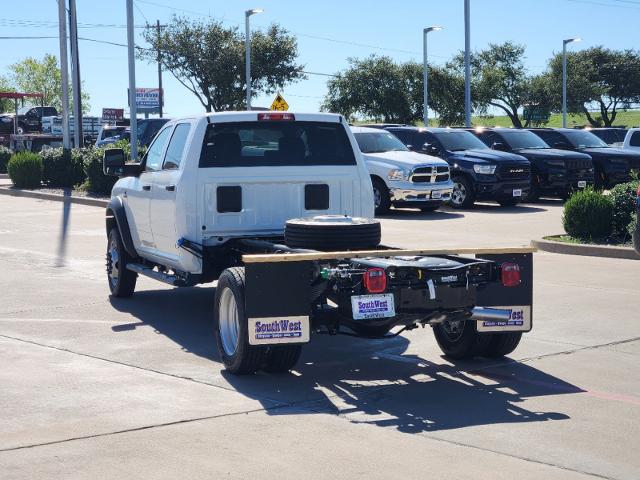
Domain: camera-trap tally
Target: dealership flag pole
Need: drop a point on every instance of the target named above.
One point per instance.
(64, 73)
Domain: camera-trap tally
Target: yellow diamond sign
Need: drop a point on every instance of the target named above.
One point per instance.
(280, 104)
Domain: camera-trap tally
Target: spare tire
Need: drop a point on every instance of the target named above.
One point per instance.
(332, 232)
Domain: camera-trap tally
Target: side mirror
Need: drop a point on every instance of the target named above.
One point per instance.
(113, 162)
(430, 149)
(499, 146)
(561, 146)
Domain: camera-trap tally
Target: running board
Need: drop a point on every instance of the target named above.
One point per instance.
(172, 280)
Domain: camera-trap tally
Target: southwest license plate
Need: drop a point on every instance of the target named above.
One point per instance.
(276, 330)
(366, 307)
(517, 192)
(436, 195)
(582, 184)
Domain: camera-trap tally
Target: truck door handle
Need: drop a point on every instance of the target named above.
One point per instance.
(170, 188)
(146, 187)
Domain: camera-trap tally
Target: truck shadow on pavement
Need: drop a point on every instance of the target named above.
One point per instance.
(365, 381)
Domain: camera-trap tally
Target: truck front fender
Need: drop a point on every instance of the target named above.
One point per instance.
(115, 214)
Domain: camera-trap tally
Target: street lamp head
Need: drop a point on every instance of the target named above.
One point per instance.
(253, 11)
(433, 28)
(570, 40)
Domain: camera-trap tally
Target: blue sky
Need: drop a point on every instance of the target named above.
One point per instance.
(357, 28)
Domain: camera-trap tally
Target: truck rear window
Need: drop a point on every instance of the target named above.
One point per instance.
(275, 143)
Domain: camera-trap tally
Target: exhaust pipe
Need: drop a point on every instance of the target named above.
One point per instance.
(483, 314)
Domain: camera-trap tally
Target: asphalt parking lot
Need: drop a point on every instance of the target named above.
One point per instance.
(93, 387)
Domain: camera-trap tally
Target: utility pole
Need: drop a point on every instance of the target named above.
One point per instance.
(425, 72)
(564, 78)
(247, 51)
(64, 73)
(160, 94)
(133, 111)
(467, 63)
(75, 76)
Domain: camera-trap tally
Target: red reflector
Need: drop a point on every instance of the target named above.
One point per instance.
(265, 116)
(510, 274)
(375, 280)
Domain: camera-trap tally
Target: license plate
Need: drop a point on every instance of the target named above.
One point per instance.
(436, 195)
(519, 320)
(517, 192)
(366, 307)
(582, 184)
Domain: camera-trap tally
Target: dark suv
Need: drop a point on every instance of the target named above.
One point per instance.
(478, 172)
(553, 171)
(612, 136)
(612, 165)
(147, 129)
(29, 119)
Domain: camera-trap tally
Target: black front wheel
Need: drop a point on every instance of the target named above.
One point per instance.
(381, 196)
(122, 282)
(463, 195)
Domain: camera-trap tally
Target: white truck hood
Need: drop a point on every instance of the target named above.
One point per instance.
(406, 160)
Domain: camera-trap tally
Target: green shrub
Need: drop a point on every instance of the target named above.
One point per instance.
(62, 168)
(96, 181)
(632, 226)
(5, 155)
(623, 197)
(25, 169)
(588, 215)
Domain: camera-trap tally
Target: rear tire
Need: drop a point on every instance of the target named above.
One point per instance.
(282, 358)
(231, 325)
(122, 282)
(381, 196)
(460, 339)
(463, 195)
(502, 344)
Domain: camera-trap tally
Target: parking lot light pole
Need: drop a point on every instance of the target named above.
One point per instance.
(467, 63)
(425, 73)
(564, 78)
(247, 51)
(133, 111)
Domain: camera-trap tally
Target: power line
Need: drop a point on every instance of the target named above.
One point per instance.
(590, 2)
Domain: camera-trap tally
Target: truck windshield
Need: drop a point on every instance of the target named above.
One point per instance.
(521, 139)
(582, 139)
(378, 142)
(459, 140)
(275, 143)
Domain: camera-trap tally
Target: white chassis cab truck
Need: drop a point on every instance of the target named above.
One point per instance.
(276, 207)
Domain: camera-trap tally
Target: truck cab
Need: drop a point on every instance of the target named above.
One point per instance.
(228, 175)
(478, 172)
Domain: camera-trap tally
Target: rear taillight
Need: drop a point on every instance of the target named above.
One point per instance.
(510, 274)
(266, 116)
(375, 280)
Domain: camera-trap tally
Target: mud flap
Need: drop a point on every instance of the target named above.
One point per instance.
(278, 302)
(519, 299)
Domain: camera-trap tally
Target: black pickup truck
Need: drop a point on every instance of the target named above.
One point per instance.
(29, 119)
(553, 171)
(478, 172)
(612, 165)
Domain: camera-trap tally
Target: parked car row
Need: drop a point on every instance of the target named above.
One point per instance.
(506, 165)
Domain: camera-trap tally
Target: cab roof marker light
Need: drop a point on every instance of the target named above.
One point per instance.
(268, 116)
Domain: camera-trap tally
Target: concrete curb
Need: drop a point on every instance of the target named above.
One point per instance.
(587, 250)
(14, 192)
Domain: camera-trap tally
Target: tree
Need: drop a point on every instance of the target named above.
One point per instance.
(35, 76)
(6, 104)
(208, 59)
(375, 88)
(610, 79)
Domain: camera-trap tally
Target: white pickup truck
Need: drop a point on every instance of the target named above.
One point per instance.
(277, 208)
(400, 177)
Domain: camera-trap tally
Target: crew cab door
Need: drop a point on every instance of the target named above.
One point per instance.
(164, 188)
(138, 197)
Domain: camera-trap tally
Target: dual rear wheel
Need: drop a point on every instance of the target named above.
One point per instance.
(460, 339)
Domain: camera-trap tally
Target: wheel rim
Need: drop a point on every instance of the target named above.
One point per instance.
(377, 197)
(453, 329)
(459, 194)
(228, 322)
(113, 262)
